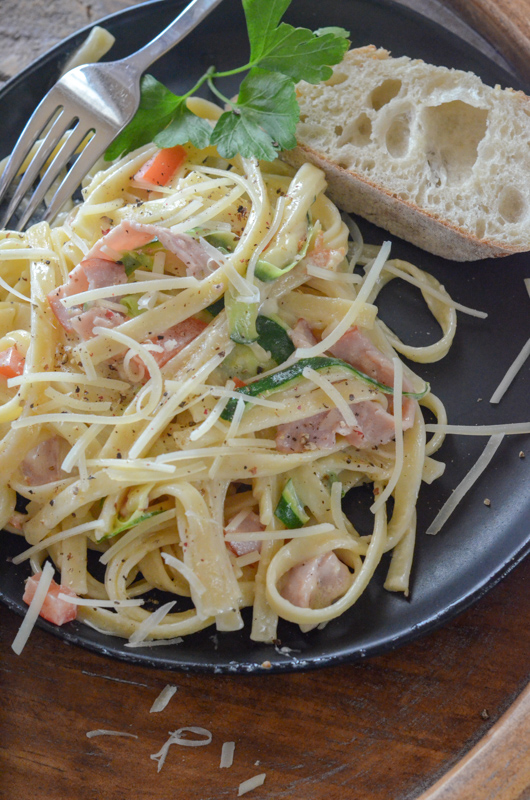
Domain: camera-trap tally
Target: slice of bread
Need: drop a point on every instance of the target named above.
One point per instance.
(429, 153)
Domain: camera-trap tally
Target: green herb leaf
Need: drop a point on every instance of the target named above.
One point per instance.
(335, 31)
(262, 21)
(156, 109)
(301, 55)
(184, 127)
(296, 52)
(264, 119)
(238, 134)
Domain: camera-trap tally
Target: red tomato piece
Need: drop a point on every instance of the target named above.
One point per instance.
(11, 363)
(54, 609)
(160, 169)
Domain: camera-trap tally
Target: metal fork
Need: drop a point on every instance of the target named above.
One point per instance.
(101, 98)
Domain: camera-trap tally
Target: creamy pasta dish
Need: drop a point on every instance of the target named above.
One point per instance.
(193, 375)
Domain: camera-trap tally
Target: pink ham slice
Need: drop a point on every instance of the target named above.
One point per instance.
(54, 608)
(125, 236)
(302, 335)
(358, 350)
(101, 267)
(247, 525)
(98, 316)
(43, 463)
(198, 257)
(316, 583)
(176, 338)
(172, 341)
(91, 273)
(318, 432)
(375, 425)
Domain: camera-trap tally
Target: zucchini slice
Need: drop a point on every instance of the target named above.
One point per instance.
(273, 337)
(267, 272)
(288, 376)
(241, 318)
(290, 510)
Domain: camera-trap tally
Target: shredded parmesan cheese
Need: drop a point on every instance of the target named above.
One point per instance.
(28, 623)
(227, 755)
(428, 289)
(332, 275)
(163, 699)
(102, 732)
(10, 289)
(156, 642)
(195, 584)
(148, 625)
(55, 539)
(334, 395)
(67, 377)
(480, 430)
(252, 783)
(248, 558)
(461, 490)
(139, 287)
(508, 379)
(81, 601)
(176, 737)
(293, 533)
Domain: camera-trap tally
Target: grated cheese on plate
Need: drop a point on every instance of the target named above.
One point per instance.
(28, 623)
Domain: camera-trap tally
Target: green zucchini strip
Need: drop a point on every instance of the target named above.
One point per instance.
(282, 379)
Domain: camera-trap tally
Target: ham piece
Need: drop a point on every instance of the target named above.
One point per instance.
(358, 350)
(375, 424)
(176, 338)
(172, 342)
(250, 523)
(199, 258)
(101, 267)
(43, 463)
(91, 273)
(302, 335)
(316, 583)
(54, 608)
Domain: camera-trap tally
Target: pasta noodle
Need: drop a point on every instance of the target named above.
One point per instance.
(194, 374)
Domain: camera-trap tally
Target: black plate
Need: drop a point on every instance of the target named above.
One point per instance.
(479, 544)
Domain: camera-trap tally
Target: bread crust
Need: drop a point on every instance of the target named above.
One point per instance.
(357, 195)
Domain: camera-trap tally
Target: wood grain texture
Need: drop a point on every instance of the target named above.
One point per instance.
(498, 767)
(504, 23)
(384, 729)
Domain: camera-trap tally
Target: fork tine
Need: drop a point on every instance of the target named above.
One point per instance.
(94, 149)
(71, 181)
(58, 129)
(60, 160)
(40, 118)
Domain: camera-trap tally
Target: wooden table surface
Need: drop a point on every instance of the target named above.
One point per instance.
(384, 729)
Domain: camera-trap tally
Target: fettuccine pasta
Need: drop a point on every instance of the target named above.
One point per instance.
(194, 375)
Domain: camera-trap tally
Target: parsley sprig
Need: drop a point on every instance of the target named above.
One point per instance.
(262, 121)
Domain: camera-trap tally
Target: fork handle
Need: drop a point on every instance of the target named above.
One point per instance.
(186, 21)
